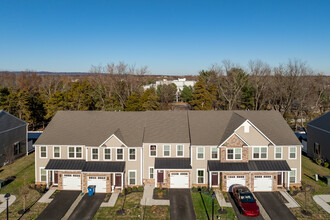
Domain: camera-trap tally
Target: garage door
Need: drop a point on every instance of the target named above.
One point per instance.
(232, 180)
(179, 180)
(99, 182)
(72, 181)
(263, 183)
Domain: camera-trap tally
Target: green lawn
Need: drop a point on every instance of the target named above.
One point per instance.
(200, 209)
(309, 168)
(133, 209)
(23, 169)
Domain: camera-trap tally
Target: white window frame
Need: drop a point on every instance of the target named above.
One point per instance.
(217, 158)
(203, 176)
(75, 152)
(259, 147)
(198, 153)
(117, 154)
(150, 150)
(43, 168)
(275, 153)
(58, 152)
(129, 178)
(153, 173)
(295, 176)
(98, 153)
(234, 153)
(46, 152)
(164, 150)
(295, 154)
(182, 150)
(107, 148)
(129, 153)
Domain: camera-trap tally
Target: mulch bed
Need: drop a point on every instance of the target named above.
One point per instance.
(165, 192)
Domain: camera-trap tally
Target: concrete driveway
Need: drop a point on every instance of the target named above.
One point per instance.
(181, 204)
(87, 207)
(59, 206)
(237, 211)
(274, 207)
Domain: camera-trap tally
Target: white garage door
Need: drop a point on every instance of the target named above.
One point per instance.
(72, 181)
(99, 182)
(179, 180)
(263, 183)
(232, 180)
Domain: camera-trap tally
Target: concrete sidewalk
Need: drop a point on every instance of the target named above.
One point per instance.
(3, 205)
(147, 199)
(45, 198)
(221, 199)
(322, 200)
(291, 202)
(112, 201)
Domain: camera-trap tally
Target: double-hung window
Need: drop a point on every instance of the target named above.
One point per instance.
(179, 150)
(200, 176)
(78, 152)
(214, 153)
(234, 153)
(200, 153)
(278, 152)
(43, 175)
(71, 152)
(95, 153)
(151, 172)
(153, 151)
(132, 153)
(293, 176)
(292, 153)
(120, 154)
(167, 150)
(43, 151)
(57, 153)
(107, 153)
(131, 177)
(260, 152)
(75, 152)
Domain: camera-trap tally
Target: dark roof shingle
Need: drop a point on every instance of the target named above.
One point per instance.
(252, 165)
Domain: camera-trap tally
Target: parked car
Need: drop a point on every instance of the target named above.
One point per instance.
(245, 201)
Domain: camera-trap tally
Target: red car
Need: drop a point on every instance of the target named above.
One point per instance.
(245, 201)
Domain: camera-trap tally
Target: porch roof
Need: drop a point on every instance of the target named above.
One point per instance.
(82, 165)
(267, 165)
(172, 163)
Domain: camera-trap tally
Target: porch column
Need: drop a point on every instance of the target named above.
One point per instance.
(122, 181)
(156, 179)
(210, 179)
(47, 178)
(288, 179)
(282, 178)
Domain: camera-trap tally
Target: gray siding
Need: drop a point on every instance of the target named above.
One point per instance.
(315, 135)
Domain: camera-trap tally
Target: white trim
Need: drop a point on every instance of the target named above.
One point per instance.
(197, 176)
(150, 150)
(275, 153)
(141, 165)
(294, 154)
(54, 152)
(203, 158)
(295, 177)
(300, 167)
(242, 139)
(86, 153)
(98, 153)
(169, 150)
(260, 132)
(231, 136)
(113, 135)
(129, 153)
(35, 164)
(117, 154)
(74, 152)
(259, 158)
(211, 153)
(43, 168)
(135, 177)
(177, 150)
(40, 152)
(234, 153)
(153, 174)
(107, 148)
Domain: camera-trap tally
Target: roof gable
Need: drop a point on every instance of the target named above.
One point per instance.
(9, 121)
(322, 122)
(113, 141)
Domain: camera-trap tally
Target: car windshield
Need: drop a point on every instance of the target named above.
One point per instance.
(247, 198)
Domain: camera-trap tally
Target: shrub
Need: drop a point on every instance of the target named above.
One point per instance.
(204, 188)
(135, 189)
(140, 188)
(326, 164)
(129, 189)
(211, 191)
(194, 189)
(318, 161)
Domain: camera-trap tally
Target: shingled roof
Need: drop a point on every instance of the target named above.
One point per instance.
(322, 122)
(9, 121)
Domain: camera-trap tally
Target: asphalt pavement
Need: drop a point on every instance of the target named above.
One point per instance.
(181, 204)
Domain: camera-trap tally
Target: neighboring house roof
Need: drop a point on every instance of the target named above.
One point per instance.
(9, 121)
(34, 135)
(84, 166)
(172, 163)
(268, 165)
(322, 121)
(92, 128)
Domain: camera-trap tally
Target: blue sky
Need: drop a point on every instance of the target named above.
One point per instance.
(170, 37)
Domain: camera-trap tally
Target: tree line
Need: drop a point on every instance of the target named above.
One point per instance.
(291, 88)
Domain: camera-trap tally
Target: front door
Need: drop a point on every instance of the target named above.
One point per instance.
(214, 179)
(118, 180)
(279, 178)
(160, 176)
(55, 177)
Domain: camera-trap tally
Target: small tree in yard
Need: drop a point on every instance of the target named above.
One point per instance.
(24, 191)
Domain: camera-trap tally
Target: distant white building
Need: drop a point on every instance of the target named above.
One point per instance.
(180, 83)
